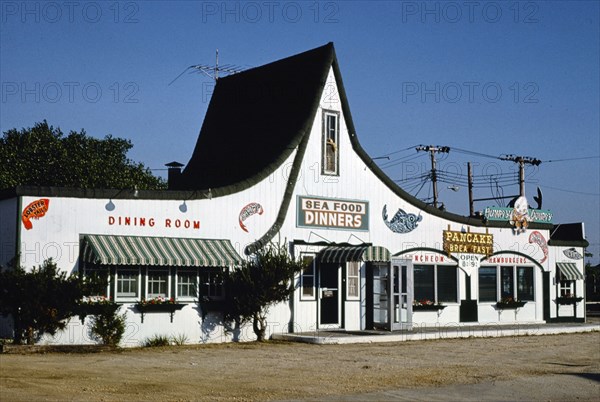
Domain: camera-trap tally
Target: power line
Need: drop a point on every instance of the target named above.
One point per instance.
(398, 161)
(571, 159)
(570, 191)
(397, 152)
(474, 153)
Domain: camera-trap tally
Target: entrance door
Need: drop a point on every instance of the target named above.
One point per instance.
(401, 292)
(380, 296)
(329, 295)
(392, 295)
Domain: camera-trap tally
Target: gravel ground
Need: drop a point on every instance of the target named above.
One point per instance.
(517, 368)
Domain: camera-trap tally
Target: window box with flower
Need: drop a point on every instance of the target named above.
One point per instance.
(158, 305)
(507, 303)
(427, 305)
(96, 305)
(568, 298)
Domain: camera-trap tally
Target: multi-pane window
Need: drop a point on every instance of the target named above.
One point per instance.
(186, 284)
(352, 280)
(330, 142)
(127, 283)
(435, 283)
(158, 283)
(496, 283)
(488, 284)
(211, 283)
(525, 283)
(507, 283)
(307, 278)
(566, 287)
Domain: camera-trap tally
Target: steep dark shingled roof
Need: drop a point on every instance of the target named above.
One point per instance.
(255, 119)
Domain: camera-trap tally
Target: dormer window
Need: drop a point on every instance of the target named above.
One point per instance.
(331, 139)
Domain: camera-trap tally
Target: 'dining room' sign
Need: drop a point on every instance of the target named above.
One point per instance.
(467, 242)
(332, 213)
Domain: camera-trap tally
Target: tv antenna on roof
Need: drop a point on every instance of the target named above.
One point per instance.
(212, 71)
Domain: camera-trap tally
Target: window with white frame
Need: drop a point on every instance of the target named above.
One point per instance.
(307, 277)
(435, 283)
(566, 287)
(157, 283)
(352, 280)
(330, 144)
(497, 283)
(211, 283)
(127, 283)
(187, 284)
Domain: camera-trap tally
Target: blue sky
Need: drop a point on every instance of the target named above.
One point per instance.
(490, 77)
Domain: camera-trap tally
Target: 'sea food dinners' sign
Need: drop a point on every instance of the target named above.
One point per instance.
(467, 242)
(333, 213)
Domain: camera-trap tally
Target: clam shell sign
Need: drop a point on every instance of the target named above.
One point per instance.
(332, 213)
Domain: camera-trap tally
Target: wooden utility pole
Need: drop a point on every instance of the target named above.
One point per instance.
(470, 177)
(432, 150)
(522, 160)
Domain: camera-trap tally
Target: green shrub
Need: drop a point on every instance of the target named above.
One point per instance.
(108, 326)
(157, 340)
(179, 339)
(42, 300)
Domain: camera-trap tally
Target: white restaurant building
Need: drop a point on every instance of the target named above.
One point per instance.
(278, 159)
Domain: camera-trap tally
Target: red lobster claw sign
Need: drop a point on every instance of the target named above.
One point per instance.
(251, 209)
(35, 210)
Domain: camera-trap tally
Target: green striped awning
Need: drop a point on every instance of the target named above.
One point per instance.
(342, 254)
(161, 251)
(569, 271)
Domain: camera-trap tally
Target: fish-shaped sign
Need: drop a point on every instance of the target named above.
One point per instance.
(401, 222)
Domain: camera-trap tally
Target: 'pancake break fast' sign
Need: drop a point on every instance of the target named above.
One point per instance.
(467, 242)
(332, 213)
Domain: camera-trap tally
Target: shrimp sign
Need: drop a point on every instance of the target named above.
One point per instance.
(35, 210)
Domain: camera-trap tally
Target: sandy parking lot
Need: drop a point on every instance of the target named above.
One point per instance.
(278, 370)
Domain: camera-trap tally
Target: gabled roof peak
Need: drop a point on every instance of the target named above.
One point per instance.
(255, 119)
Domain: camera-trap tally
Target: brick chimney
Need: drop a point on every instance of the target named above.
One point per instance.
(174, 173)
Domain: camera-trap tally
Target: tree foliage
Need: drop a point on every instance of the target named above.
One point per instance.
(43, 156)
(258, 284)
(41, 301)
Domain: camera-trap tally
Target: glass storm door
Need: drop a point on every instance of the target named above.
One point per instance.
(401, 291)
